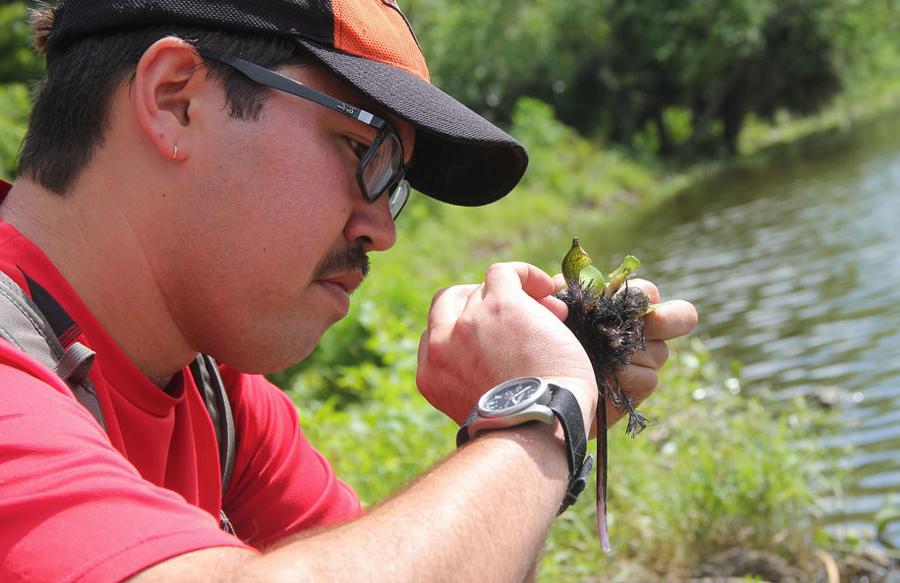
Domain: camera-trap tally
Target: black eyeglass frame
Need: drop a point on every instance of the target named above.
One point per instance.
(270, 78)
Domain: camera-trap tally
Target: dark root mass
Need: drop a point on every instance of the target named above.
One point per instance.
(611, 329)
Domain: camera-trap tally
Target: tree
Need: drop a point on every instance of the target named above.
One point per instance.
(721, 60)
(18, 61)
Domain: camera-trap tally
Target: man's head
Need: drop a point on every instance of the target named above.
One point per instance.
(461, 158)
(253, 215)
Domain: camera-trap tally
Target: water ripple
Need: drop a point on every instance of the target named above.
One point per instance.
(792, 266)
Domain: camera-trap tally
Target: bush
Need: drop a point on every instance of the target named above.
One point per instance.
(14, 108)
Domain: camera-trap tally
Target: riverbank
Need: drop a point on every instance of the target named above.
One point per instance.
(680, 495)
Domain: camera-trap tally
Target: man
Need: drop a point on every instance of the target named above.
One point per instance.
(208, 177)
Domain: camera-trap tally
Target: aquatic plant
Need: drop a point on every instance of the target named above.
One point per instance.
(606, 315)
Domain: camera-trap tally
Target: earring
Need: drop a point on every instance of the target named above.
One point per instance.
(175, 152)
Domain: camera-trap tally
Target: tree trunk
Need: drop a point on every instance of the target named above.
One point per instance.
(732, 122)
(665, 142)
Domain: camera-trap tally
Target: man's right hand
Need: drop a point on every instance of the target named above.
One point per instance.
(509, 326)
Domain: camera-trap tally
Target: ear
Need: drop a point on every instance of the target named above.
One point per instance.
(168, 81)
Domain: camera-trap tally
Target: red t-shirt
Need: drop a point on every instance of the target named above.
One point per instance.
(81, 503)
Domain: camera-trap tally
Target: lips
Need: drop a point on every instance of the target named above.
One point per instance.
(348, 281)
(340, 286)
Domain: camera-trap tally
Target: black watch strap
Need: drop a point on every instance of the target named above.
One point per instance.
(565, 407)
(462, 436)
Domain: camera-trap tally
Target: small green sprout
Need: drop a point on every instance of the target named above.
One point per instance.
(628, 266)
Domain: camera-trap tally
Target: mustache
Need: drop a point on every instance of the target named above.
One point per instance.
(352, 258)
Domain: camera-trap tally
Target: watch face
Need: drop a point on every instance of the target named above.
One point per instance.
(511, 396)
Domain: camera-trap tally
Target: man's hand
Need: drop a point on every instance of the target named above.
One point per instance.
(509, 326)
(670, 320)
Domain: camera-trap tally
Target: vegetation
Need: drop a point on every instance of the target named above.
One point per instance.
(674, 78)
(580, 83)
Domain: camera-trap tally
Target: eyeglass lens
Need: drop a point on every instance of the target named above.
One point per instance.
(382, 167)
(398, 198)
(381, 171)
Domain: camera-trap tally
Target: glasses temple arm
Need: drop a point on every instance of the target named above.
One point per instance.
(275, 80)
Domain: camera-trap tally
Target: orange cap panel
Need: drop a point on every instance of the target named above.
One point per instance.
(376, 30)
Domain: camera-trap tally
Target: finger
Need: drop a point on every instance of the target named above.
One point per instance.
(647, 287)
(638, 381)
(670, 320)
(448, 303)
(557, 306)
(653, 356)
(423, 350)
(559, 281)
(504, 277)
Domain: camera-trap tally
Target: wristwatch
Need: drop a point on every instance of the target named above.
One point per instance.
(527, 399)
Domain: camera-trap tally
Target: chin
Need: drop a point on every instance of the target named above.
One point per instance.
(265, 358)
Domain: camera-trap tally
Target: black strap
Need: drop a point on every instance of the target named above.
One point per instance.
(565, 407)
(206, 375)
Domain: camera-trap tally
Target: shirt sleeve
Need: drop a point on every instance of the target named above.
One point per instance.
(280, 484)
(72, 508)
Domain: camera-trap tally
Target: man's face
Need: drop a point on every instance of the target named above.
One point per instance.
(266, 239)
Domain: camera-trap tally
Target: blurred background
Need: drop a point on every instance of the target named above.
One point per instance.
(748, 152)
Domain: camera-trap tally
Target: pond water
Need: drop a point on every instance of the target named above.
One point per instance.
(794, 265)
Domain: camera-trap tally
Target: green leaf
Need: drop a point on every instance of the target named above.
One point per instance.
(591, 277)
(628, 266)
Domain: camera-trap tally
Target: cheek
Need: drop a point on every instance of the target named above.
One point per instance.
(272, 205)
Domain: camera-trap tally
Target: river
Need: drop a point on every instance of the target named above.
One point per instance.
(792, 262)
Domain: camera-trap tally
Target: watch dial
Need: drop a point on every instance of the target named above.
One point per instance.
(511, 395)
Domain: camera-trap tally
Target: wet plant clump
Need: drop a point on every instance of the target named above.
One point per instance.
(607, 317)
(611, 329)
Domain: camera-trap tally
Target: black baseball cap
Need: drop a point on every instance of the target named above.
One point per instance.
(459, 158)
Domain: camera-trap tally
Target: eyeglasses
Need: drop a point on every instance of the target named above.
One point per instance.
(380, 169)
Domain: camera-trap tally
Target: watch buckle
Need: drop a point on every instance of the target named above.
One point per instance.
(577, 483)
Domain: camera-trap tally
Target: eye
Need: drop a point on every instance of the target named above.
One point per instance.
(359, 149)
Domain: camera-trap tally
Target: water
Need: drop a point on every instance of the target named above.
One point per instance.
(794, 265)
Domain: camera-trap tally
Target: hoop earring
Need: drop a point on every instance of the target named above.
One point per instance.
(175, 152)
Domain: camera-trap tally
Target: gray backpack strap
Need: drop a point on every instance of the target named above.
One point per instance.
(23, 325)
(206, 375)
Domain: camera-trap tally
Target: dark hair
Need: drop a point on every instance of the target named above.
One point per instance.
(71, 110)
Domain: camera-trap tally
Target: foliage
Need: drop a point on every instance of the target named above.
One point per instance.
(14, 107)
(635, 71)
(717, 60)
(489, 54)
(866, 35)
(19, 63)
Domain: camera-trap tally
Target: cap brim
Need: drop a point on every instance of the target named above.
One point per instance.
(460, 157)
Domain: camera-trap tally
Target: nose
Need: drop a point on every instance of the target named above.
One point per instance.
(371, 226)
